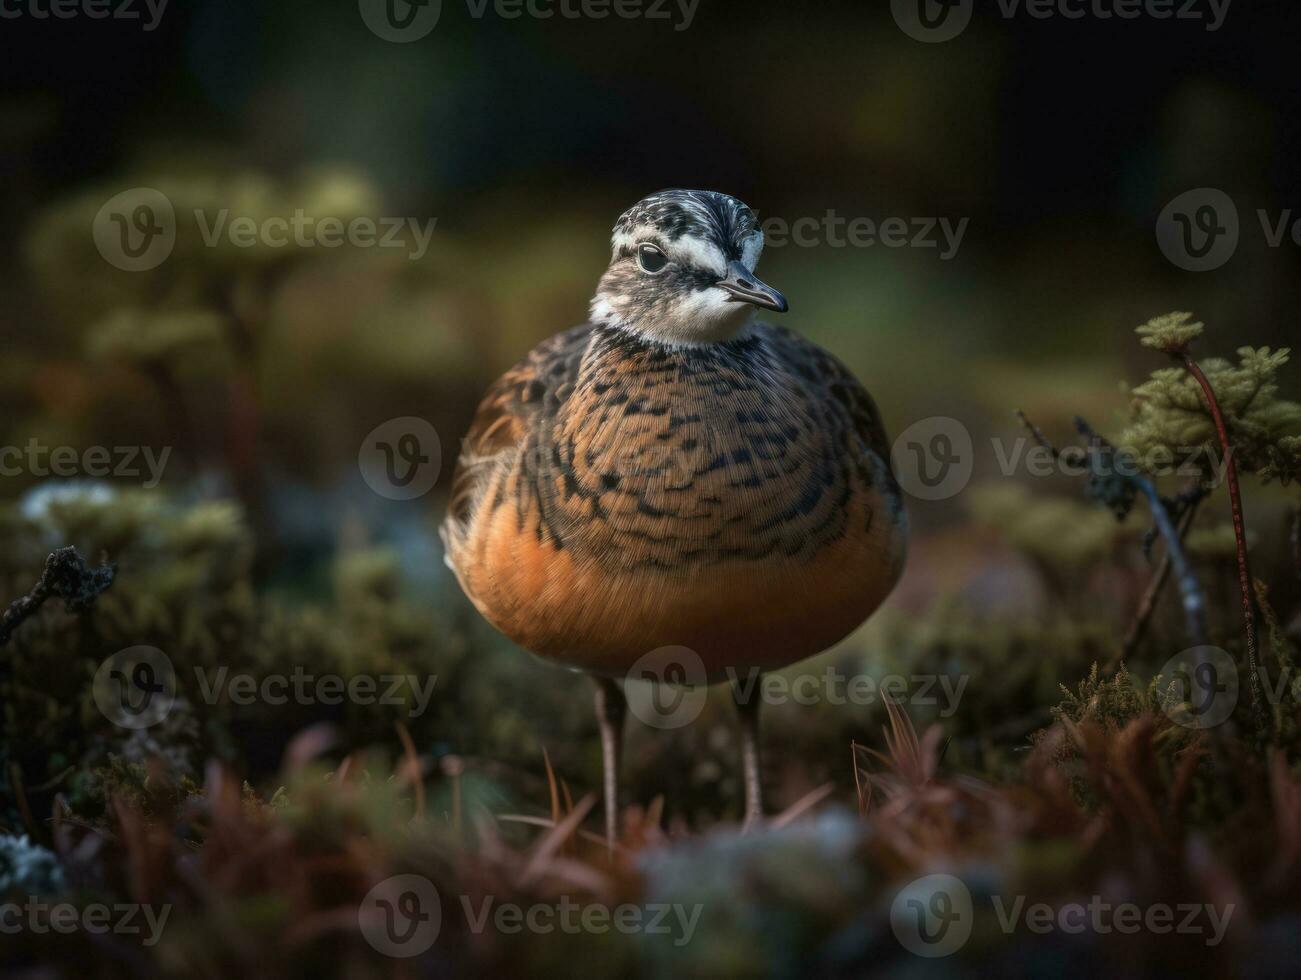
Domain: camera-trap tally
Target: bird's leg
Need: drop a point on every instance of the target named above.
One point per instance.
(746, 696)
(611, 707)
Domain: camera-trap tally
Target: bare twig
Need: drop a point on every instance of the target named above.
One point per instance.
(412, 770)
(67, 577)
(1038, 434)
(1117, 487)
(1143, 615)
(1045, 442)
(1194, 600)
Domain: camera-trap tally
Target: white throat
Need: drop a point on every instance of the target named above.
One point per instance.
(709, 316)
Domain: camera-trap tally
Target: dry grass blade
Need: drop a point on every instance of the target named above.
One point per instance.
(802, 806)
(862, 782)
(655, 812)
(546, 848)
(910, 762)
(453, 767)
(569, 798)
(1186, 763)
(411, 770)
(532, 821)
(552, 788)
(1125, 764)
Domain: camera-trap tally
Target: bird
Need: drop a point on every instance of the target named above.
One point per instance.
(677, 472)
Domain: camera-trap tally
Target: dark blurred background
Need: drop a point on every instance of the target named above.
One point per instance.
(1055, 143)
(1060, 140)
(269, 375)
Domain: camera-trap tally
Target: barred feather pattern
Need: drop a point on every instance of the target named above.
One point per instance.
(616, 493)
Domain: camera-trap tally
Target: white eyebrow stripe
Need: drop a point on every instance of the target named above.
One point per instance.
(700, 254)
(687, 250)
(631, 237)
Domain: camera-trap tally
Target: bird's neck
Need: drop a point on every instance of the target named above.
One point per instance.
(684, 325)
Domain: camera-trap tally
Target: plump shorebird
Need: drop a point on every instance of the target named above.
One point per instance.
(677, 473)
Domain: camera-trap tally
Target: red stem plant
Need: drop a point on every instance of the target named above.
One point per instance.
(1181, 354)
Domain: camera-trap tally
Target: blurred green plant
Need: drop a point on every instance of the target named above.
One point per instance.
(1171, 419)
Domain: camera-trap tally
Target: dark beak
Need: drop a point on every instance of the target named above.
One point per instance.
(745, 287)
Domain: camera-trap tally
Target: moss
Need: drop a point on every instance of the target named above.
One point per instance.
(1063, 534)
(185, 586)
(1112, 701)
(1169, 418)
(1171, 332)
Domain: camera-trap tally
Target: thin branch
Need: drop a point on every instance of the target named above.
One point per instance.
(1045, 442)
(1147, 606)
(1116, 489)
(66, 577)
(1038, 434)
(1194, 600)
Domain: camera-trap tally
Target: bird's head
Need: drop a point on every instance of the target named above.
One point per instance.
(683, 269)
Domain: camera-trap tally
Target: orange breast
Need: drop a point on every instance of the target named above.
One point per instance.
(740, 613)
(734, 499)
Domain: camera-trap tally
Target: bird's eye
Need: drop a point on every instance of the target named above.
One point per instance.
(650, 258)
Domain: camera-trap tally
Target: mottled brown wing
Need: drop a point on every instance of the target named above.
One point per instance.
(850, 408)
(513, 414)
(747, 451)
(617, 495)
